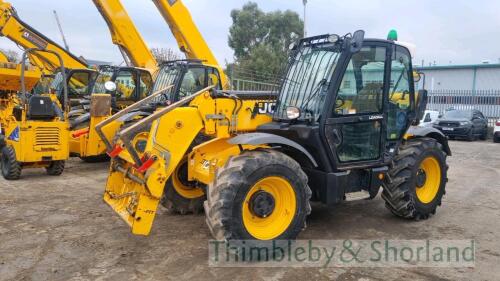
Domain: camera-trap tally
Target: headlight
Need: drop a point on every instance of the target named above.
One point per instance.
(292, 112)
(463, 123)
(334, 38)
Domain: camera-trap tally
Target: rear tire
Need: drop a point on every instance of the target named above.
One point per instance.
(55, 168)
(11, 169)
(401, 193)
(182, 196)
(228, 203)
(496, 139)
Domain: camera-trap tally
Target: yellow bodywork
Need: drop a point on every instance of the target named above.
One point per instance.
(10, 79)
(135, 195)
(40, 141)
(187, 35)
(125, 34)
(12, 27)
(33, 141)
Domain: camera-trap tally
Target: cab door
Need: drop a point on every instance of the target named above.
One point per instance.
(372, 107)
(354, 129)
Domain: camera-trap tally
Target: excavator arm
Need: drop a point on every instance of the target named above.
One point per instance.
(187, 35)
(125, 35)
(12, 27)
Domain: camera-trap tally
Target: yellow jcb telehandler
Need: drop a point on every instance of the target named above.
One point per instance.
(339, 130)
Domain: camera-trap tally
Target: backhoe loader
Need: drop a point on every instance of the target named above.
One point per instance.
(34, 128)
(84, 83)
(340, 130)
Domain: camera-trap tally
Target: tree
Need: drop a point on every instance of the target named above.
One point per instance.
(165, 54)
(12, 56)
(260, 40)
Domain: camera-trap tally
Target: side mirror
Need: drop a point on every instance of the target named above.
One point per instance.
(110, 86)
(417, 76)
(421, 103)
(357, 41)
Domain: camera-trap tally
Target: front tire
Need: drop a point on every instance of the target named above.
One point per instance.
(416, 181)
(258, 195)
(496, 139)
(55, 168)
(11, 169)
(470, 135)
(484, 135)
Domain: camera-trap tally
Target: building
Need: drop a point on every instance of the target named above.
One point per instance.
(475, 86)
(474, 77)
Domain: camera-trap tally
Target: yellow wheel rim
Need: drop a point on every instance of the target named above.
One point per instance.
(277, 222)
(428, 188)
(183, 189)
(140, 141)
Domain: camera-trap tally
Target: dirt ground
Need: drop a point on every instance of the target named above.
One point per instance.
(58, 228)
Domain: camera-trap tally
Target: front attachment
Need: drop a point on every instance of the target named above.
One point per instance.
(134, 191)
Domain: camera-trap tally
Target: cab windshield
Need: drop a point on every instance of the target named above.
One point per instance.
(167, 76)
(307, 80)
(103, 77)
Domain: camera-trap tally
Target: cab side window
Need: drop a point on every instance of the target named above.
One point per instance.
(193, 81)
(146, 84)
(78, 84)
(125, 85)
(361, 89)
(399, 104)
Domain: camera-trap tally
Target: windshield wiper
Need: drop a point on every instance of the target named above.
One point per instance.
(316, 91)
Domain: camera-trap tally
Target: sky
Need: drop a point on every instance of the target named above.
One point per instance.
(444, 31)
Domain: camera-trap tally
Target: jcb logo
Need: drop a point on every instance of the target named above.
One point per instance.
(266, 107)
(205, 164)
(35, 39)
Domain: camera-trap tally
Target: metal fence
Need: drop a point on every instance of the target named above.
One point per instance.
(247, 80)
(252, 85)
(486, 101)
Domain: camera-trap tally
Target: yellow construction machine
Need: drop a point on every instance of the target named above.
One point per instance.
(34, 128)
(27, 37)
(337, 132)
(175, 80)
(129, 84)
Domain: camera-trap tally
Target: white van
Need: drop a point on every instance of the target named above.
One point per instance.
(429, 117)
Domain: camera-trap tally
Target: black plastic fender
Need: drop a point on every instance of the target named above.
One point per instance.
(416, 131)
(265, 138)
(79, 120)
(131, 115)
(2, 141)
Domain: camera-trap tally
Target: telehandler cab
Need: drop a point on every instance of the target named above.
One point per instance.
(34, 128)
(341, 128)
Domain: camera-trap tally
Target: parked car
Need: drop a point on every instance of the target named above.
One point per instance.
(430, 116)
(496, 132)
(468, 124)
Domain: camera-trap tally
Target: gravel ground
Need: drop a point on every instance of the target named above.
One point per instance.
(58, 228)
